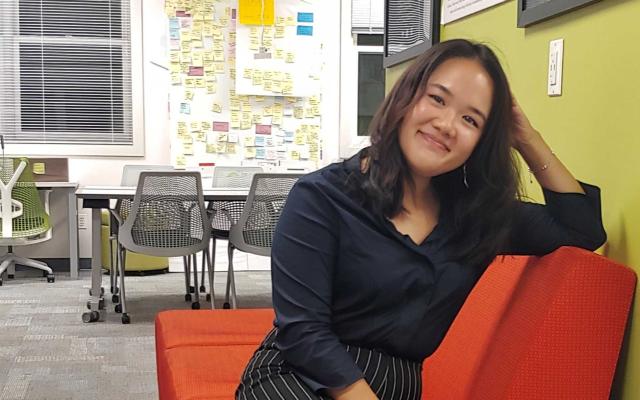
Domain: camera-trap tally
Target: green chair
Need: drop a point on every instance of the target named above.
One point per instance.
(134, 262)
(25, 217)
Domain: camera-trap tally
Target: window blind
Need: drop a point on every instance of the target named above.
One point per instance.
(65, 71)
(409, 24)
(367, 16)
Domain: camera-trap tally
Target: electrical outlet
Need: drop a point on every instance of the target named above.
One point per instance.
(82, 221)
(554, 80)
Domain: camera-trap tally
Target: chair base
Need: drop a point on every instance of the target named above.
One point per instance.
(9, 260)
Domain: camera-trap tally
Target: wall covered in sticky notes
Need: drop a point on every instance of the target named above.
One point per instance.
(210, 120)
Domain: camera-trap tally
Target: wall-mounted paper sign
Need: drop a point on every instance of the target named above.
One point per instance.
(456, 9)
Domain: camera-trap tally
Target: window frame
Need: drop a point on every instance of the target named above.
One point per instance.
(136, 149)
(528, 16)
(416, 50)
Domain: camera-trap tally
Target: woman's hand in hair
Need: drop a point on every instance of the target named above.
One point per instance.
(542, 161)
(523, 132)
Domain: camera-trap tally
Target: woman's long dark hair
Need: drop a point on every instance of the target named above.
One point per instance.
(480, 214)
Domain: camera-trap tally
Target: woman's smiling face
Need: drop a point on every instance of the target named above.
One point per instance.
(444, 126)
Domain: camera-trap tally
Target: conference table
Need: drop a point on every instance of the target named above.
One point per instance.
(98, 198)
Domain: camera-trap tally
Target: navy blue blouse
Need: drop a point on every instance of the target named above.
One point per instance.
(342, 275)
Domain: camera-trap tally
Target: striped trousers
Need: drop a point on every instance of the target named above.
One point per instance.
(267, 376)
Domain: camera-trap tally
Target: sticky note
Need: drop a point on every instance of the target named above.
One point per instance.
(220, 126)
(290, 57)
(256, 12)
(268, 141)
(305, 17)
(216, 108)
(263, 129)
(304, 30)
(259, 141)
(248, 141)
(181, 161)
(38, 168)
(249, 152)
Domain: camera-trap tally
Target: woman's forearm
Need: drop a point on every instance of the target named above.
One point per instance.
(546, 167)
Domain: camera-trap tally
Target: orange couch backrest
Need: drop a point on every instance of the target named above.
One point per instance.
(536, 328)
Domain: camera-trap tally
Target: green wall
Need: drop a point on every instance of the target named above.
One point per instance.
(594, 127)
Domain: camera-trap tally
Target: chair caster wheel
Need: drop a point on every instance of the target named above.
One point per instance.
(126, 319)
(195, 306)
(92, 316)
(0, 282)
(208, 296)
(203, 289)
(118, 308)
(187, 297)
(226, 306)
(51, 278)
(115, 299)
(100, 304)
(114, 290)
(101, 292)
(192, 289)
(11, 276)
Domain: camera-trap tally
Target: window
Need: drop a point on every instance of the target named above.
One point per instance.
(370, 87)
(67, 77)
(362, 76)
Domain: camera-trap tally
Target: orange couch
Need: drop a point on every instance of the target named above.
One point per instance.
(532, 328)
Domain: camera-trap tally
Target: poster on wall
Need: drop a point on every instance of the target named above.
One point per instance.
(456, 9)
(283, 58)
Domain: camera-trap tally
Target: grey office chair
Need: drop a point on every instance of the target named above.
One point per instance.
(253, 233)
(167, 219)
(224, 214)
(130, 175)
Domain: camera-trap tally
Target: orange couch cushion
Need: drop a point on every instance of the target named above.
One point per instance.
(206, 372)
(213, 327)
(201, 354)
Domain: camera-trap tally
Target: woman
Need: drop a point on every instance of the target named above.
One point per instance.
(373, 257)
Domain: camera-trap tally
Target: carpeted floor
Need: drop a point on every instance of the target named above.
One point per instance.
(46, 352)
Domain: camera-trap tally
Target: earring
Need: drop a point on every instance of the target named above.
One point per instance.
(464, 176)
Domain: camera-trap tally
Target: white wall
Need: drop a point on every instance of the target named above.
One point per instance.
(107, 170)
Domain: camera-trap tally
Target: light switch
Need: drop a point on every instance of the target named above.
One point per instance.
(554, 81)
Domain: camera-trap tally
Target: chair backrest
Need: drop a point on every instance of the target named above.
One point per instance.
(536, 328)
(226, 213)
(254, 231)
(234, 177)
(130, 177)
(167, 217)
(25, 210)
(131, 172)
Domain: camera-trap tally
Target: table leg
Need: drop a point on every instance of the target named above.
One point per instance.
(73, 234)
(97, 292)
